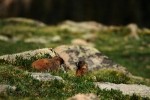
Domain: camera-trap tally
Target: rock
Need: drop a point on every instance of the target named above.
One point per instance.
(41, 40)
(146, 30)
(24, 21)
(95, 59)
(4, 38)
(27, 55)
(83, 27)
(81, 42)
(3, 88)
(90, 96)
(148, 67)
(126, 89)
(52, 64)
(133, 31)
(91, 36)
(56, 38)
(45, 77)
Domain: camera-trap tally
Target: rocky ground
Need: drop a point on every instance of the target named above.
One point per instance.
(117, 58)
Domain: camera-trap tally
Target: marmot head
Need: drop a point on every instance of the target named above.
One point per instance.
(58, 60)
(82, 68)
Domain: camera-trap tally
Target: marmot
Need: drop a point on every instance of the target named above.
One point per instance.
(48, 64)
(82, 68)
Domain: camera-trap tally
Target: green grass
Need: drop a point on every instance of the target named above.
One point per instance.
(117, 45)
(16, 47)
(131, 53)
(31, 88)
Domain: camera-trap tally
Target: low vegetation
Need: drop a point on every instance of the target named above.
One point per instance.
(118, 45)
(27, 87)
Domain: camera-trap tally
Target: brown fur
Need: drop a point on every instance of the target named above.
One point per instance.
(82, 68)
(48, 64)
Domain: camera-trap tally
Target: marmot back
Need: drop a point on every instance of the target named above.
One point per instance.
(48, 64)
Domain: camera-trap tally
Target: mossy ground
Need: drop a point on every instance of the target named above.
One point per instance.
(131, 53)
(29, 88)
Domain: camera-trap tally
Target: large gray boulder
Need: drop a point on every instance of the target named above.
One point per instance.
(71, 54)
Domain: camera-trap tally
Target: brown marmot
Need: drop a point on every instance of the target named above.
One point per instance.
(48, 64)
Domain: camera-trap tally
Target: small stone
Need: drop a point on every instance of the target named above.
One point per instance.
(81, 42)
(148, 67)
(133, 31)
(3, 88)
(90, 36)
(56, 38)
(45, 77)
(79, 96)
(4, 38)
(41, 40)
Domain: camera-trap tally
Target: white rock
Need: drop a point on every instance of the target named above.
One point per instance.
(3, 88)
(81, 42)
(56, 38)
(83, 27)
(126, 89)
(79, 96)
(4, 38)
(133, 31)
(45, 77)
(28, 54)
(41, 40)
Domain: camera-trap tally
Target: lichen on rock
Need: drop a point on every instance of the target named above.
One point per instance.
(27, 56)
(45, 77)
(94, 58)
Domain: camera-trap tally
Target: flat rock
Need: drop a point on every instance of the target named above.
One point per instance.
(83, 27)
(79, 41)
(3, 88)
(45, 77)
(71, 54)
(42, 40)
(126, 89)
(25, 21)
(56, 38)
(11, 58)
(79, 96)
(4, 38)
